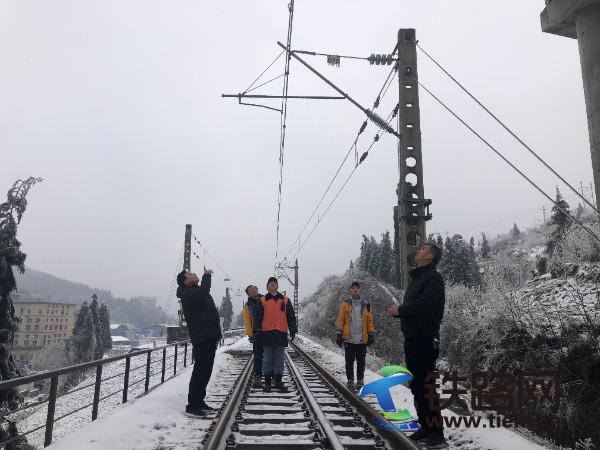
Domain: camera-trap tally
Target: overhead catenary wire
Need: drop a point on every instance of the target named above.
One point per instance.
(284, 121)
(376, 103)
(507, 161)
(223, 271)
(264, 71)
(364, 155)
(508, 129)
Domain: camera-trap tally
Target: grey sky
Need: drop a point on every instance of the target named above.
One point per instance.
(117, 105)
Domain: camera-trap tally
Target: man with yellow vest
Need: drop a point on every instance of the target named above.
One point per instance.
(254, 298)
(273, 318)
(355, 331)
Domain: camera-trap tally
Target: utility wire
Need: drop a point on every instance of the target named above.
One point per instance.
(379, 98)
(223, 271)
(511, 132)
(375, 140)
(284, 119)
(507, 161)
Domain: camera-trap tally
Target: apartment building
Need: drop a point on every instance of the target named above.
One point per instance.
(42, 323)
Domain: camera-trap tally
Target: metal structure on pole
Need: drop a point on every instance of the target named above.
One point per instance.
(281, 270)
(412, 210)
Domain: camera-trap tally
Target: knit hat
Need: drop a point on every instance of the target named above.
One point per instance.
(274, 280)
(355, 284)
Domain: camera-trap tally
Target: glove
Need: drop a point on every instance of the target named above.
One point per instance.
(252, 339)
(338, 339)
(371, 340)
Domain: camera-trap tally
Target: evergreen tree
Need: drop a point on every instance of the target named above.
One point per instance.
(515, 233)
(226, 310)
(386, 259)
(351, 268)
(11, 256)
(105, 333)
(82, 345)
(485, 247)
(560, 222)
(375, 257)
(365, 254)
(94, 310)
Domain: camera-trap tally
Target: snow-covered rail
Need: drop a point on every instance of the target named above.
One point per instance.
(317, 412)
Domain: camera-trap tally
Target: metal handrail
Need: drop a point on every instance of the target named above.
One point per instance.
(98, 364)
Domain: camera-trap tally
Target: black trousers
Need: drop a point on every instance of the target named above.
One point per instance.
(204, 358)
(358, 353)
(257, 350)
(420, 357)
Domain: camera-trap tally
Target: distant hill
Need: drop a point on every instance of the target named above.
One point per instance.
(36, 284)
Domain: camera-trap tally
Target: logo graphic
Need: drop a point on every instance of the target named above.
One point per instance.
(392, 376)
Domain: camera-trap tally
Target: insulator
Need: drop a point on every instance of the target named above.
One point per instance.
(362, 127)
(363, 157)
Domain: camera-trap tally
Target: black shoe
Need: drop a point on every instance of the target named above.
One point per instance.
(196, 413)
(435, 438)
(207, 408)
(267, 385)
(257, 382)
(279, 384)
(359, 384)
(423, 433)
(350, 385)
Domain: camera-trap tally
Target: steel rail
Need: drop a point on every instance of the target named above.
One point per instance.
(396, 439)
(332, 437)
(217, 435)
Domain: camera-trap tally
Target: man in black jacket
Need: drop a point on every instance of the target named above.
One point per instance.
(420, 317)
(204, 328)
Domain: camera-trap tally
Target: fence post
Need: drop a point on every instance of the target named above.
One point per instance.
(51, 409)
(164, 360)
(147, 383)
(185, 354)
(97, 391)
(126, 381)
(175, 361)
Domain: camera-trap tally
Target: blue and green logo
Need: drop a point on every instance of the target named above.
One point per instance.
(393, 375)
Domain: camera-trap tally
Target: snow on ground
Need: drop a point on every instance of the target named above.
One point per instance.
(458, 438)
(156, 421)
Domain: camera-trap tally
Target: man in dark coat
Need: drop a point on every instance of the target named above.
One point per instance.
(420, 317)
(204, 328)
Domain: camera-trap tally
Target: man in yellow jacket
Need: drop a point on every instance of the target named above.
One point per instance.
(249, 311)
(355, 331)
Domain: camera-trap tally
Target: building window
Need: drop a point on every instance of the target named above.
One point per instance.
(45, 327)
(28, 327)
(28, 311)
(38, 320)
(36, 327)
(40, 311)
(29, 320)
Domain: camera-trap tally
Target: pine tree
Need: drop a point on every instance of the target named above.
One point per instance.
(351, 268)
(104, 316)
(515, 233)
(386, 259)
(82, 345)
(94, 310)
(560, 222)
(11, 256)
(365, 254)
(226, 310)
(485, 247)
(375, 257)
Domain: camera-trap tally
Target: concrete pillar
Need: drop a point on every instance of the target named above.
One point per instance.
(588, 36)
(580, 19)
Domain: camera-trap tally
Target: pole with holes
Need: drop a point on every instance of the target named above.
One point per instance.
(412, 210)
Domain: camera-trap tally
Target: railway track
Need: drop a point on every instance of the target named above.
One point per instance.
(318, 412)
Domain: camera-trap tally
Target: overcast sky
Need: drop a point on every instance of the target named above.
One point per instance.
(117, 105)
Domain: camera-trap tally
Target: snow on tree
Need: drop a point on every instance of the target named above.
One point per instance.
(82, 345)
(11, 255)
(386, 259)
(515, 233)
(94, 310)
(560, 222)
(104, 320)
(485, 247)
(226, 311)
(375, 259)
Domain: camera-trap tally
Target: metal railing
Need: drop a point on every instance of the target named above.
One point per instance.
(181, 350)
